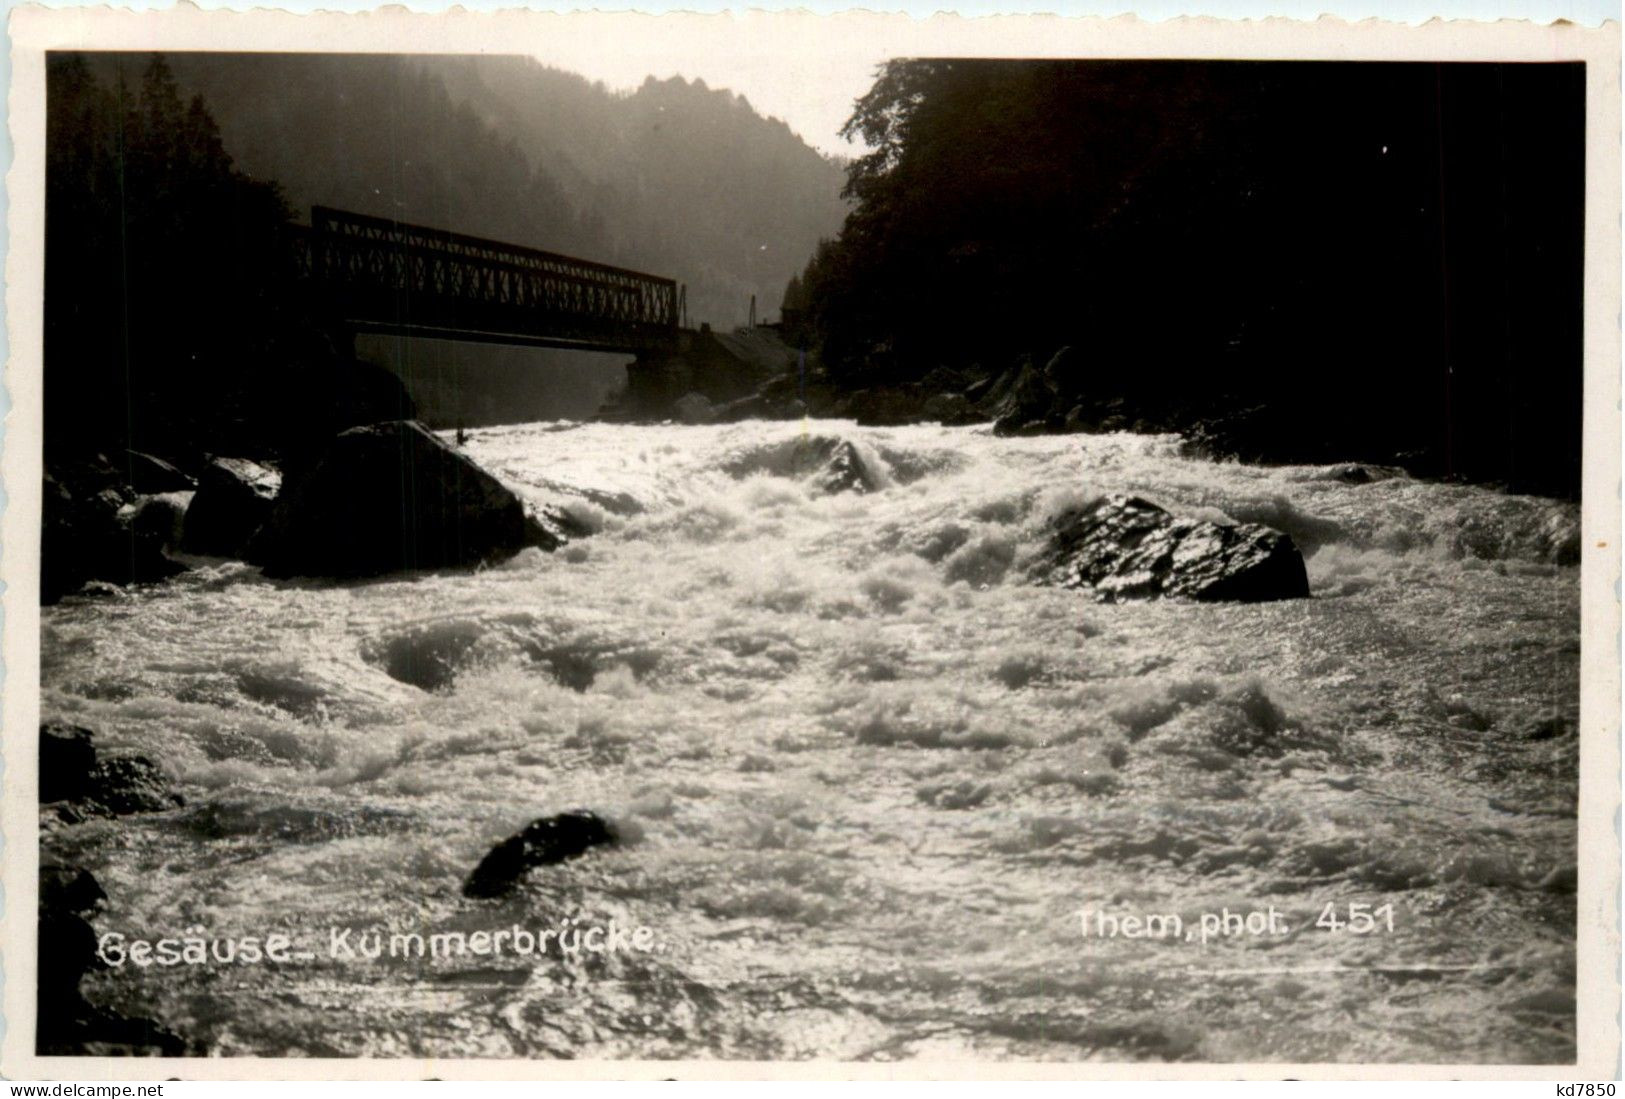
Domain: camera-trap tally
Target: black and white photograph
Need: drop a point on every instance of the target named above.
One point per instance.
(1047, 560)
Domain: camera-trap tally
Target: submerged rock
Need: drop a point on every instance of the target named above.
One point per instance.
(1563, 878)
(234, 498)
(1354, 474)
(1362, 473)
(542, 843)
(385, 498)
(1127, 548)
(71, 773)
(1549, 728)
(829, 463)
(129, 784)
(846, 470)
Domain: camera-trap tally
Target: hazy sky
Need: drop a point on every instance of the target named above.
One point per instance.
(812, 91)
(807, 73)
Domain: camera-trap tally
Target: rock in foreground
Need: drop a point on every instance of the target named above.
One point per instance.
(543, 842)
(72, 774)
(385, 498)
(1127, 548)
(234, 497)
(65, 1022)
(67, 757)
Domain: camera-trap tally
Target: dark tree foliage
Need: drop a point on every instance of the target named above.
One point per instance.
(161, 262)
(1387, 257)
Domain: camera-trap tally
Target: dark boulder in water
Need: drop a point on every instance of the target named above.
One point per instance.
(65, 1023)
(829, 463)
(1362, 473)
(67, 756)
(89, 531)
(78, 516)
(1549, 728)
(233, 499)
(553, 527)
(1127, 548)
(542, 843)
(385, 498)
(978, 390)
(1353, 475)
(122, 785)
(846, 470)
(65, 888)
(67, 951)
(71, 773)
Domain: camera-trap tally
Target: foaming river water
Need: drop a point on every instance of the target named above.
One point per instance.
(865, 776)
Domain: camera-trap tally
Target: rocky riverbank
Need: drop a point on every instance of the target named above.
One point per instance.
(376, 499)
(78, 783)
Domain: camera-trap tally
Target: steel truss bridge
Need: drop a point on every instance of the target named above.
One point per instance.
(375, 275)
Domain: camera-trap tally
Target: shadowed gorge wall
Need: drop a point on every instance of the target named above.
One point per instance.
(161, 297)
(675, 178)
(1385, 256)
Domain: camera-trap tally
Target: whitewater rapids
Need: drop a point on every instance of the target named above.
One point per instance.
(865, 775)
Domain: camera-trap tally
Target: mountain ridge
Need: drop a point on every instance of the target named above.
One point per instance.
(675, 177)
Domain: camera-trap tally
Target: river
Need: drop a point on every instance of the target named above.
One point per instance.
(878, 798)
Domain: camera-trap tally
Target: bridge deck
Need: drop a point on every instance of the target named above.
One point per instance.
(379, 275)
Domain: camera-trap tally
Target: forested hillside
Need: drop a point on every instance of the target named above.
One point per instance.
(677, 178)
(162, 307)
(1373, 260)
